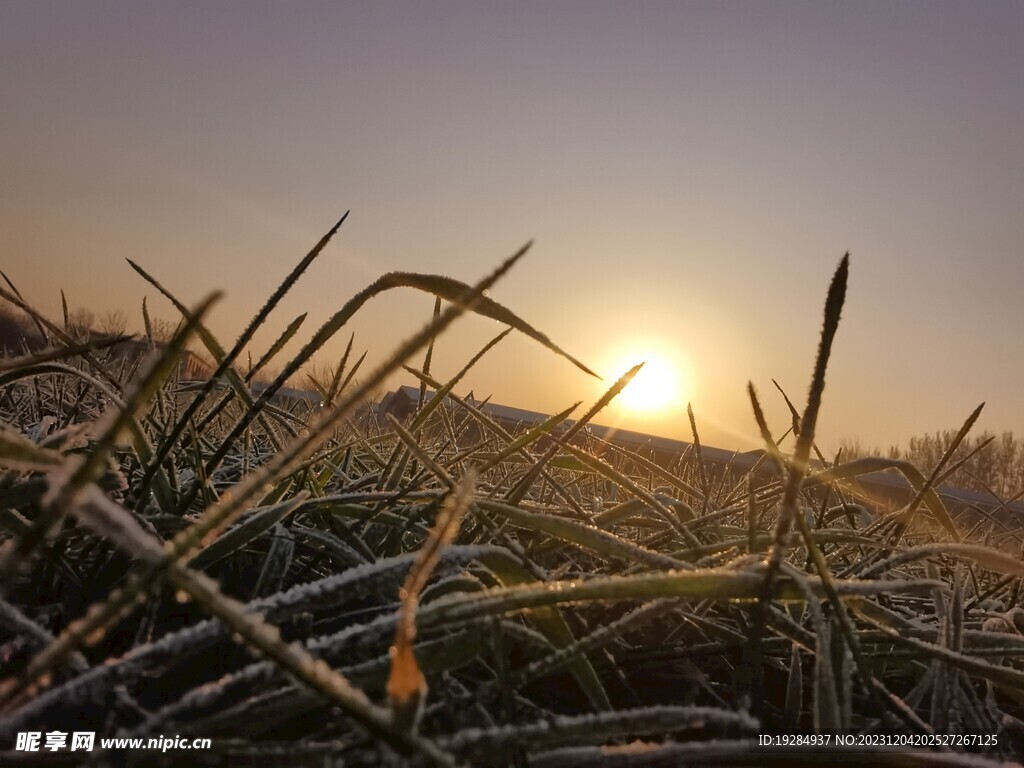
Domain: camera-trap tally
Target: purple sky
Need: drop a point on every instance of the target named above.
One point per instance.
(691, 173)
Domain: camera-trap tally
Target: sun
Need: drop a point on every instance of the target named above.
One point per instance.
(656, 387)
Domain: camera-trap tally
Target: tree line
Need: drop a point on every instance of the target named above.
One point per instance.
(18, 333)
(994, 463)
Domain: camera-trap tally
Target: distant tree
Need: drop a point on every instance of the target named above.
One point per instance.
(852, 449)
(114, 322)
(81, 321)
(14, 332)
(162, 330)
(998, 467)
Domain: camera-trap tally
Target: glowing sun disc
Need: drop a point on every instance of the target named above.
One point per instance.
(655, 386)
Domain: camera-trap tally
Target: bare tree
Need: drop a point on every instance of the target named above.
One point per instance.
(162, 330)
(81, 320)
(14, 332)
(114, 322)
(852, 449)
(998, 467)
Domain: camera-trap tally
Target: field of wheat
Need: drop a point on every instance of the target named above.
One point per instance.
(342, 587)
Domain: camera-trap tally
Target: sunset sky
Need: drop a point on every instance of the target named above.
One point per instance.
(691, 174)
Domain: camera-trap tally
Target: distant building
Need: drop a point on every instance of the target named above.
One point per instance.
(291, 397)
